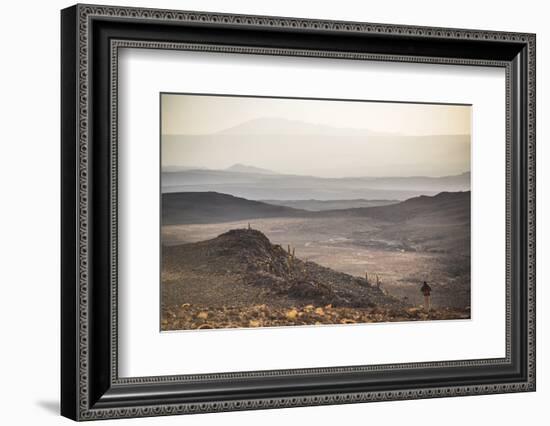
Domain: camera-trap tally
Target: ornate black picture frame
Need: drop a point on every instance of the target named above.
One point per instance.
(91, 36)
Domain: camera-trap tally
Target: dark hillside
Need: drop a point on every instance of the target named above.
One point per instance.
(213, 207)
(179, 208)
(445, 207)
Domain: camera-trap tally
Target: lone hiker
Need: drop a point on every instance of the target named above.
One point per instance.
(426, 289)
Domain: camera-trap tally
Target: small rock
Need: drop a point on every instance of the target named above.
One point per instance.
(293, 313)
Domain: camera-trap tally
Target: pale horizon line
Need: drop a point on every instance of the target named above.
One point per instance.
(276, 173)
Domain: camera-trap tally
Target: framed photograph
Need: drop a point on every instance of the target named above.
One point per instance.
(263, 212)
(268, 219)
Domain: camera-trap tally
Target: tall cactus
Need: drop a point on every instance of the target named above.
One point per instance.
(291, 256)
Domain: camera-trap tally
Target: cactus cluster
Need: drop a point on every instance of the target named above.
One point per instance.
(377, 278)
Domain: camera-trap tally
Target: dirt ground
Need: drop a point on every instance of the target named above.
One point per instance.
(402, 256)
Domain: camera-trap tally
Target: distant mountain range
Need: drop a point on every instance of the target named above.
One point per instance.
(316, 149)
(212, 207)
(254, 183)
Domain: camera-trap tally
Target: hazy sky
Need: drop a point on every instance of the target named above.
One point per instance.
(315, 137)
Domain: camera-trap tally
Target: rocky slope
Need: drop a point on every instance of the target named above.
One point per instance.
(241, 268)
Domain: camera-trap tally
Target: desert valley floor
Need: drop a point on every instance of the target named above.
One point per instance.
(351, 265)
